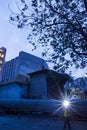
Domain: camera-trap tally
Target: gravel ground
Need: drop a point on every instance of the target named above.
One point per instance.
(30, 122)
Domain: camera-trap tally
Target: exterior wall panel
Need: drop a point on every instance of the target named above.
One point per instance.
(10, 91)
(23, 64)
(38, 86)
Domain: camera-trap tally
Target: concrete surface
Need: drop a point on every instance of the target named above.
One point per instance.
(29, 122)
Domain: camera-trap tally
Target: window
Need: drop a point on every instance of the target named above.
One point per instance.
(2, 55)
(0, 61)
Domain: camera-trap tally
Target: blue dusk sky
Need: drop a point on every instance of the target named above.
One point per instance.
(14, 40)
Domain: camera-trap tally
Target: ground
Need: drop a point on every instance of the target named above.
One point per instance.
(31, 122)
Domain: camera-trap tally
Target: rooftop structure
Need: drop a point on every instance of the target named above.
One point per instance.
(25, 63)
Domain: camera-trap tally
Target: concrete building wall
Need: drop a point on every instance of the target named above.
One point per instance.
(25, 91)
(14, 91)
(30, 63)
(23, 64)
(34, 87)
(10, 69)
(10, 91)
(38, 86)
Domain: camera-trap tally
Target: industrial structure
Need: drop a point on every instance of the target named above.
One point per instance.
(16, 81)
(28, 77)
(23, 64)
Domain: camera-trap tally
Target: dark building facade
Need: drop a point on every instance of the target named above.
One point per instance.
(23, 64)
(55, 84)
(47, 84)
(42, 84)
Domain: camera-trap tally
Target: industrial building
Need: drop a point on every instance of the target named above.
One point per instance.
(29, 77)
(23, 64)
(41, 84)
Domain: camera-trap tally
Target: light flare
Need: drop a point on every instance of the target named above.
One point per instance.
(66, 103)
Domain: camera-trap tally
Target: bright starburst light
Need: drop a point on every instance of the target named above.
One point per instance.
(66, 103)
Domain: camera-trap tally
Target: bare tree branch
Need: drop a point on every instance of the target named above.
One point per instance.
(81, 29)
(85, 3)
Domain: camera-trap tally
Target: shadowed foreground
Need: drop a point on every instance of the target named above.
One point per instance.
(36, 123)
